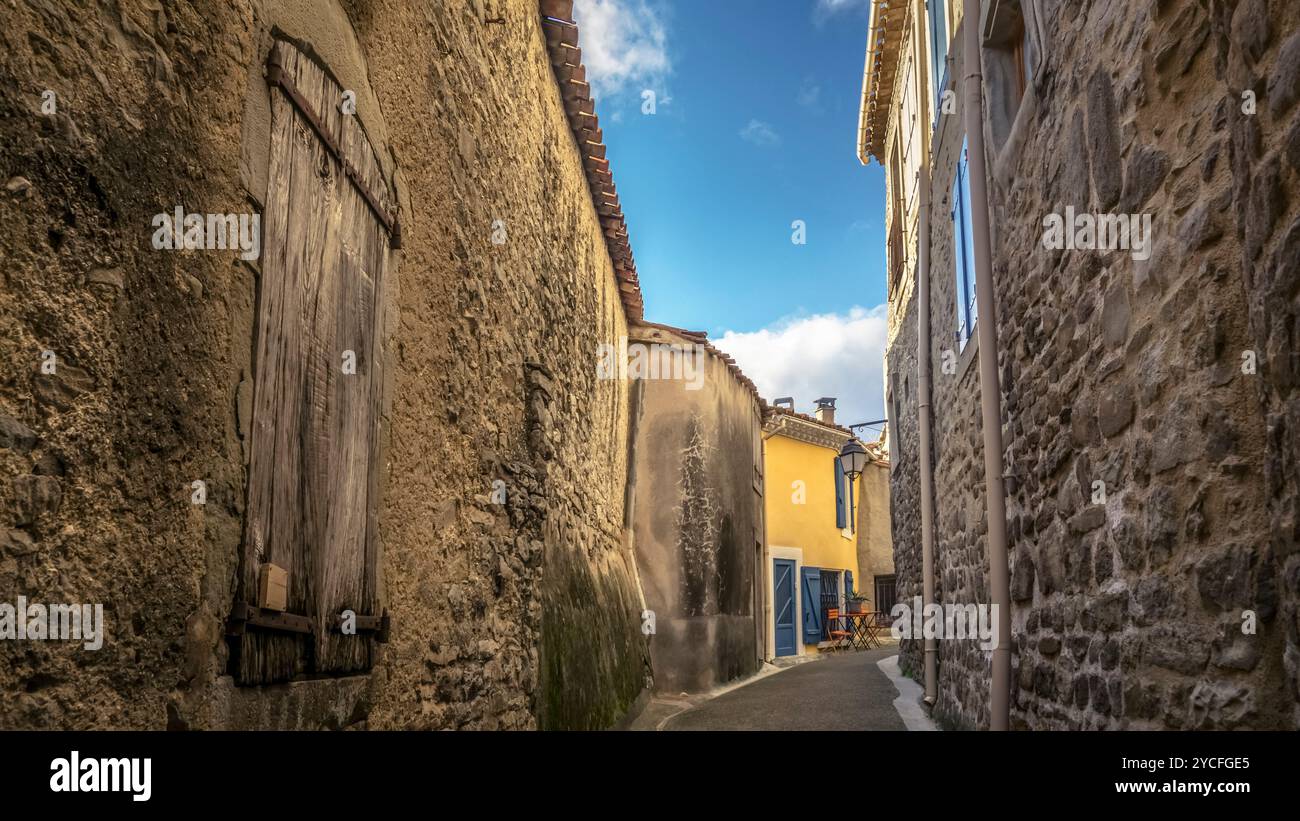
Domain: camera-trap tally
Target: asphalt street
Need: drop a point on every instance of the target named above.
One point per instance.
(845, 692)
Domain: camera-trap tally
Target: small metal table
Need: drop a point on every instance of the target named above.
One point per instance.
(864, 629)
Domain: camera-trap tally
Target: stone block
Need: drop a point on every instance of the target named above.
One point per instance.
(35, 496)
(16, 436)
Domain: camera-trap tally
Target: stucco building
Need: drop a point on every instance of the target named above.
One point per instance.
(1148, 389)
(697, 488)
(814, 541)
(876, 578)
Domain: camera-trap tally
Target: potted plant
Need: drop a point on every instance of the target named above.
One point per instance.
(858, 603)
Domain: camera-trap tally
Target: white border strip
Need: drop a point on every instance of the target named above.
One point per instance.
(910, 695)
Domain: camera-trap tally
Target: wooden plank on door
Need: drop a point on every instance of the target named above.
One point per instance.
(313, 479)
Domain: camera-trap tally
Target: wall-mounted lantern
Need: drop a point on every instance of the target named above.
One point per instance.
(853, 459)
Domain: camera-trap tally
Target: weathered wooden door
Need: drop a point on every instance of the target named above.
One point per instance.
(314, 464)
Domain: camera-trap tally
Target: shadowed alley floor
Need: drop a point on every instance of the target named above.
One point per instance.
(845, 692)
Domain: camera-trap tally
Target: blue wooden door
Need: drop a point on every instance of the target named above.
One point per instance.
(783, 605)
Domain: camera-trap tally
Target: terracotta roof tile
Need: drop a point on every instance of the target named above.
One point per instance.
(777, 410)
(702, 338)
(580, 109)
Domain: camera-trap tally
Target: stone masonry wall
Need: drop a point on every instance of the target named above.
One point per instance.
(1151, 479)
(515, 615)
(1131, 373)
(961, 520)
(905, 483)
(900, 380)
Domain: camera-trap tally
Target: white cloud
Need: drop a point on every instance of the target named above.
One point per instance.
(829, 8)
(759, 133)
(807, 357)
(624, 45)
(858, 227)
(809, 95)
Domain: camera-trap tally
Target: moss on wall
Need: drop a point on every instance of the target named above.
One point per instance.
(592, 653)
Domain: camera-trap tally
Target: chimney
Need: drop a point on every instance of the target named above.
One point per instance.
(788, 401)
(826, 410)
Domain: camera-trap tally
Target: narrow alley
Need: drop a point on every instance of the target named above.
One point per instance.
(848, 692)
(666, 365)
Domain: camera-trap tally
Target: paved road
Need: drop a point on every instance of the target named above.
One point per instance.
(845, 692)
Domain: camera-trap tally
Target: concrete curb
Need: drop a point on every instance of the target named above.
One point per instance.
(910, 697)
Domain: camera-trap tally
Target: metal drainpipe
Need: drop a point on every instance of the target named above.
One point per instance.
(990, 390)
(923, 409)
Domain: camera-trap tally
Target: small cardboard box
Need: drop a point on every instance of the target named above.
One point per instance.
(273, 587)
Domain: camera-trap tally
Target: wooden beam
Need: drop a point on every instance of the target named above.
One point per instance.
(560, 9)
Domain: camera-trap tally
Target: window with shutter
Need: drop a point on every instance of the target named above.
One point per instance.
(853, 522)
(963, 244)
(840, 520)
(938, 14)
(314, 457)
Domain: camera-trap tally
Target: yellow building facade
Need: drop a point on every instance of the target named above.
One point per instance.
(812, 553)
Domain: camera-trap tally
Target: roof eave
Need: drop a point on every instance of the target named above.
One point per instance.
(880, 78)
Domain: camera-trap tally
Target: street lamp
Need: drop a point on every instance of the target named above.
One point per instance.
(853, 460)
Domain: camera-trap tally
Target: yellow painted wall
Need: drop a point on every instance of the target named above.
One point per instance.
(809, 526)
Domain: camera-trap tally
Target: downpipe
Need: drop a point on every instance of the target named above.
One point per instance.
(990, 390)
(923, 414)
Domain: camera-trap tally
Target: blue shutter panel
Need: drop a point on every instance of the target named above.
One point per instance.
(939, 48)
(968, 252)
(848, 583)
(811, 589)
(963, 241)
(852, 522)
(839, 495)
(958, 249)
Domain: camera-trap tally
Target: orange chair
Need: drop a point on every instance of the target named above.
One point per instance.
(840, 639)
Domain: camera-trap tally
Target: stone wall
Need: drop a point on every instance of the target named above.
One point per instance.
(901, 343)
(520, 614)
(1151, 479)
(960, 518)
(698, 520)
(905, 475)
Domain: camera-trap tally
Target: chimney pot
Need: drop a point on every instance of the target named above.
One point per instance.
(826, 410)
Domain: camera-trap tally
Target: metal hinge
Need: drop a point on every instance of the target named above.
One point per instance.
(244, 615)
(276, 76)
(379, 625)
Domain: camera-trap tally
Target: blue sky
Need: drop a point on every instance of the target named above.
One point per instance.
(756, 108)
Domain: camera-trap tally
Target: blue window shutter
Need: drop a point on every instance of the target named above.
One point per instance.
(839, 495)
(848, 584)
(963, 242)
(959, 263)
(811, 590)
(939, 48)
(968, 237)
(852, 521)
